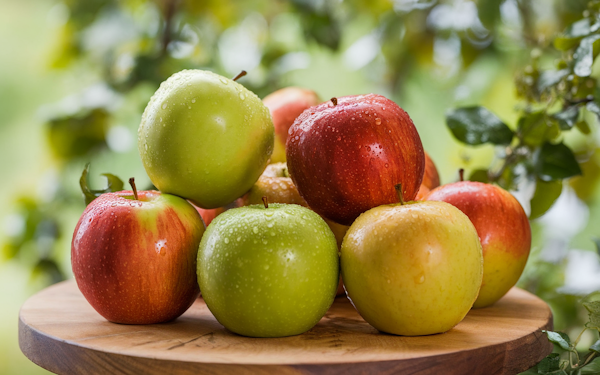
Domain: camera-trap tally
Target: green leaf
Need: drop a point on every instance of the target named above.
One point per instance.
(596, 346)
(546, 193)
(584, 56)
(559, 338)
(489, 12)
(572, 34)
(583, 127)
(593, 308)
(549, 78)
(114, 183)
(535, 129)
(549, 364)
(567, 118)
(592, 368)
(556, 162)
(480, 175)
(477, 125)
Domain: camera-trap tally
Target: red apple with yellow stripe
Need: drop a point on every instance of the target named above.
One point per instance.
(503, 230)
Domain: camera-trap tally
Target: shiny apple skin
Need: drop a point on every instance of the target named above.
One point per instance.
(503, 229)
(205, 138)
(135, 261)
(412, 269)
(268, 272)
(286, 105)
(431, 177)
(278, 188)
(346, 159)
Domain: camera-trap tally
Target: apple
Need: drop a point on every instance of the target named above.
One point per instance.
(503, 229)
(134, 256)
(268, 272)
(412, 269)
(285, 105)
(205, 137)
(422, 193)
(209, 214)
(344, 154)
(278, 187)
(431, 177)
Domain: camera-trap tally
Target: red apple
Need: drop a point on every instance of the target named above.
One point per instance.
(431, 177)
(134, 257)
(285, 105)
(208, 214)
(503, 230)
(278, 187)
(346, 155)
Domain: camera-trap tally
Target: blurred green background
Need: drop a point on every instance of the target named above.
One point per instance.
(75, 76)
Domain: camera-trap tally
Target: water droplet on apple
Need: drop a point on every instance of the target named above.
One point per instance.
(377, 121)
(255, 230)
(226, 240)
(387, 165)
(193, 100)
(164, 106)
(224, 81)
(266, 267)
(242, 96)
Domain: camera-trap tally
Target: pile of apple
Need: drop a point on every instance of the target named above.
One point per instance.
(345, 202)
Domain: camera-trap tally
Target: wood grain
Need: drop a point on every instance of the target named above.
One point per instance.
(59, 330)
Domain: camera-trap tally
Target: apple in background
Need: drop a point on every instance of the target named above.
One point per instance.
(431, 177)
(412, 269)
(268, 272)
(346, 155)
(205, 137)
(285, 105)
(209, 214)
(134, 257)
(503, 229)
(278, 187)
(422, 193)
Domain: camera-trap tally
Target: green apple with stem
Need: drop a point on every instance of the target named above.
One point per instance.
(412, 269)
(205, 138)
(268, 270)
(275, 184)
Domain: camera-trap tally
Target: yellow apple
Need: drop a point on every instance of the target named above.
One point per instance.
(412, 269)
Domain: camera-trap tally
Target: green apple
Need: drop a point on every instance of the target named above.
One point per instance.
(276, 184)
(412, 269)
(205, 137)
(268, 272)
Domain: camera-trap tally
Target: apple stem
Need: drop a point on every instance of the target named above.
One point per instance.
(334, 101)
(132, 183)
(461, 174)
(265, 202)
(398, 188)
(240, 75)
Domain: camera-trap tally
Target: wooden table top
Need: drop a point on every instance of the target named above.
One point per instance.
(59, 330)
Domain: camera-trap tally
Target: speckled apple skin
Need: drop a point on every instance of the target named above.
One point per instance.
(347, 158)
(135, 261)
(285, 106)
(503, 229)
(280, 189)
(205, 138)
(412, 269)
(268, 272)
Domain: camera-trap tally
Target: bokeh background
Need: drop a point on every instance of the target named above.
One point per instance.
(75, 76)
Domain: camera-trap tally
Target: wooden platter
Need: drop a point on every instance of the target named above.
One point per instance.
(59, 330)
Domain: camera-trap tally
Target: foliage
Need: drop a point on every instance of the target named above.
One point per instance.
(555, 100)
(568, 360)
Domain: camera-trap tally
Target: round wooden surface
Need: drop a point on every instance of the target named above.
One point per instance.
(59, 330)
